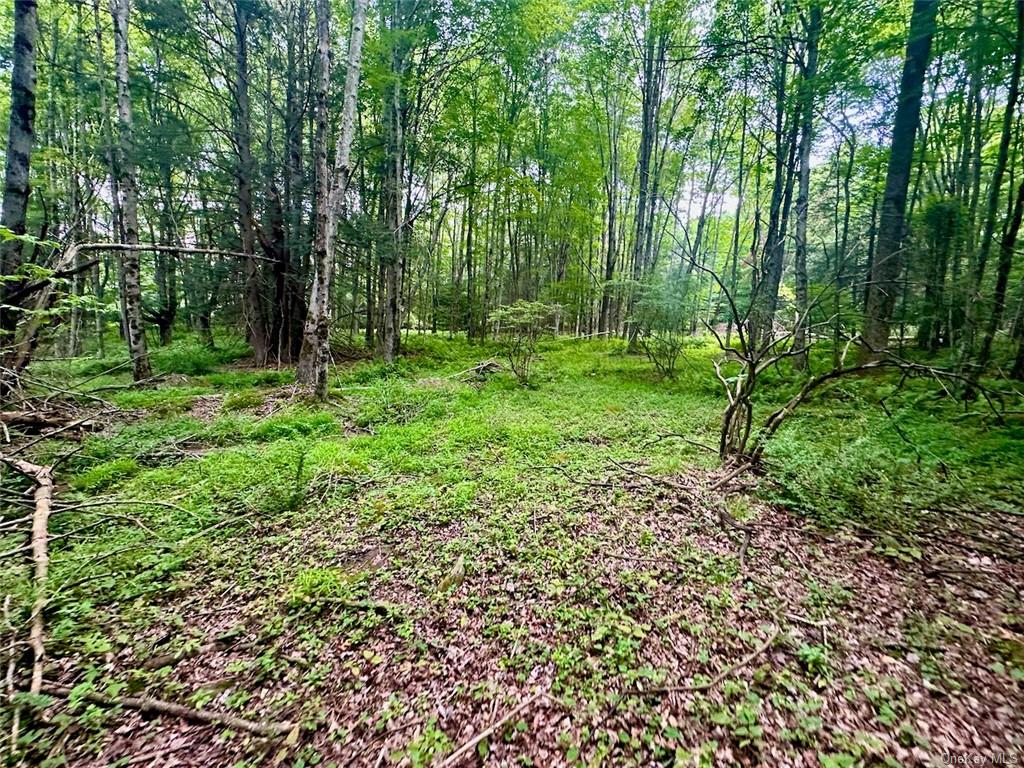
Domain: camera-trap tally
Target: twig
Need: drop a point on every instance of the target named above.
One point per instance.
(12, 659)
(684, 438)
(469, 746)
(126, 502)
(721, 675)
(729, 477)
(158, 706)
(65, 428)
(565, 473)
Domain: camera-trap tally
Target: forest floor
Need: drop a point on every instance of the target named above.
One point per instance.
(425, 558)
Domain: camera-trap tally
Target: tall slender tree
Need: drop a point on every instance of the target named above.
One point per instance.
(332, 194)
(889, 257)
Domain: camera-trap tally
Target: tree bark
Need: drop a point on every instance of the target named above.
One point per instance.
(888, 256)
(130, 269)
(988, 235)
(255, 311)
(20, 133)
(803, 195)
(331, 197)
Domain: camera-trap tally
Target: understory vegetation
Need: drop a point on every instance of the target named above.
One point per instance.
(500, 383)
(392, 569)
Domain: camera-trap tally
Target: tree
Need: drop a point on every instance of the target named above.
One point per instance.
(313, 360)
(128, 198)
(889, 257)
(20, 135)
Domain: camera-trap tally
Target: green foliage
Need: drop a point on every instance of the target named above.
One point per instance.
(306, 519)
(429, 746)
(104, 475)
(519, 328)
(815, 661)
(663, 319)
(240, 401)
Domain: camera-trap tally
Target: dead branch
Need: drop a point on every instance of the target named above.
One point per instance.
(158, 706)
(42, 476)
(727, 672)
(684, 438)
(478, 372)
(77, 423)
(168, 659)
(565, 473)
(31, 419)
(12, 660)
(131, 384)
(739, 470)
(468, 747)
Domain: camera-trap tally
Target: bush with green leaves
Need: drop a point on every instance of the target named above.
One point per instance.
(664, 322)
(519, 328)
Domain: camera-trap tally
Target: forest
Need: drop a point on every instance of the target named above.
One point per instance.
(512, 383)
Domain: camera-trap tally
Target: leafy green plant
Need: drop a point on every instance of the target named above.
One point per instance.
(519, 327)
(815, 661)
(428, 746)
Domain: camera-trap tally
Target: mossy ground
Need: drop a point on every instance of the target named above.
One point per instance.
(223, 501)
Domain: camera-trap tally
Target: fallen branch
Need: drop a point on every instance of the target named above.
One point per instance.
(158, 706)
(31, 419)
(565, 473)
(86, 420)
(739, 470)
(728, 671)
(468, 747)
(478, 371)
(684, 438)
(42, 476)
(169, 659)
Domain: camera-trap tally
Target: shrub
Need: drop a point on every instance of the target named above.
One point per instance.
(519, 328)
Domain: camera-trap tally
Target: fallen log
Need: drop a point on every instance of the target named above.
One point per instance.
(31, 419)
(478, 372)
(39, 422)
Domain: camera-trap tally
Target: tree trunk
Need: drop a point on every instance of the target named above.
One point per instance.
(255, 311)
(1007, 245)
(803, 195)
(331, 196)
(392, 243)
(134, 328)
(888, 256)
(988, 234)
(19, 150)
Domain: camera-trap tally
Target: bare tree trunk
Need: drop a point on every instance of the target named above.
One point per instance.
(19, 149)
(766, 281)
(803, 195)
(129, 198)
(1007, 244)
(255, 311)
(888, 257)
(988, 234)
(392, 244)
(313, 360)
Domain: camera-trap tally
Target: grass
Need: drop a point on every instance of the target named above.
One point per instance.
(276, 509)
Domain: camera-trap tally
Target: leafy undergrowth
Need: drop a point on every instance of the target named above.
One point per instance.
(400, 568)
